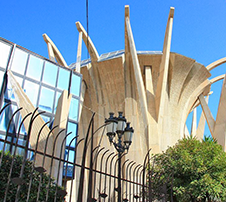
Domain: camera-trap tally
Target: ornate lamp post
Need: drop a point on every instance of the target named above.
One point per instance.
(120, 134)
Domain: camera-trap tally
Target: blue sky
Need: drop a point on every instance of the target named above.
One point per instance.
(198, 31)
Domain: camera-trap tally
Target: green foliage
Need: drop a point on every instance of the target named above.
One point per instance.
(4, 172)
(199, 170)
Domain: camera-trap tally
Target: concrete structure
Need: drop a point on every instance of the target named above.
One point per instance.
(155, 90)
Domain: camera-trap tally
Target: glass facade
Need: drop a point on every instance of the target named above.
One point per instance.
(43, 81)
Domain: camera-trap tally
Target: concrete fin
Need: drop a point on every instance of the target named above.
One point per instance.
(89, 44)
(201, 125)
(50, 52)
(216, 63)
(186, 132)
(180, 71)
(62, 111)
(79, 53)
(220, 126)
(209, 117)
(23, 101)
(194, 122)
(131, 60)
(161, 91)
(197, 75)
(83, 92)
(59, 58)
(137, 73)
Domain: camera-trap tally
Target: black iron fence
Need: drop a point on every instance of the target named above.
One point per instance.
(93, 177)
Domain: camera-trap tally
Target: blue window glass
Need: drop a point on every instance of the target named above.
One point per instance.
(19, 80)
(50, 74)
(63, 79)
(71, 127)
(9, 92)
(20, 151)
(22, 129)
(7, 146)
(45, 118)
(70, 155)
(73, 112)
(58, 94)
(4, 54)
(1, 77)
(34, 69)
(75, 84)
(46, 99)
(5, 119)
(2, 137)
(19, 61)
(31, 90)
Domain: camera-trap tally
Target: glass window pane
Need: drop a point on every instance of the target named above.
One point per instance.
(46, 99)
(75, 85)
(70, 158)
(20, 151)
(5, 118)
(45, 118)
(63, 79)
(7, 146)
(69, 155)
(4, 54)
(1, 77)
(19, 61)
(31, 89)
(73, 113)
(50, 73)
(58, 94)
(19, 80)
(71, 127)
(2, 137)
(9, 92)
(34, 69)
(22, 129)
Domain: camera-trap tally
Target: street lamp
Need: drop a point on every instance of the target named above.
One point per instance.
(120, 134)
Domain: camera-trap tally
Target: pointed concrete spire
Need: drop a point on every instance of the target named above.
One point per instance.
(161, 94)
(132, 67)
(50, 52)
(79, 53)
(78, 69)
(136, 68)
(53, 51)
(89, 44)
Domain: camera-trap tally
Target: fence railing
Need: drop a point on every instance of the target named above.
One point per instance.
(91, 178)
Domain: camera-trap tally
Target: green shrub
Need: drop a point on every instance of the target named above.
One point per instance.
(199, 170)
(4, 172)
